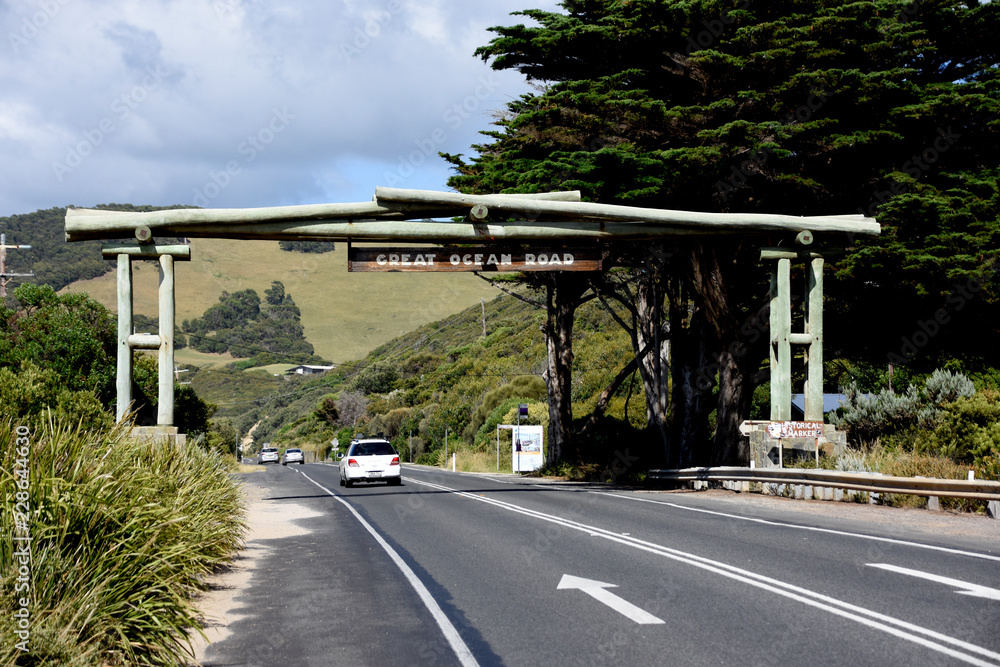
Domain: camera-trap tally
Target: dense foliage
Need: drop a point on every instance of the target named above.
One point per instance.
(243, 326)
(946, 418)
(72, 335)
(58, 352)
(307, 246)
(884, 108)
(53, 261)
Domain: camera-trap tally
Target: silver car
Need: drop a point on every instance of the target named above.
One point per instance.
(268, 455)
(370, 460)
(293, 455)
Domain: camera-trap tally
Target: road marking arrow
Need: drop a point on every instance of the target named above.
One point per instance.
(965, 587)
(597, 590)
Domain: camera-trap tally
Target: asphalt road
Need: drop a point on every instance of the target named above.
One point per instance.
(464, 569)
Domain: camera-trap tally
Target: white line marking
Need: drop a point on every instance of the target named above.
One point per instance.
(598, 591)
(965, 588)
(920, 545)
(459, 646)
(893, 626)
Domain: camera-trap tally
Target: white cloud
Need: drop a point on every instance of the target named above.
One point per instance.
(156, 101)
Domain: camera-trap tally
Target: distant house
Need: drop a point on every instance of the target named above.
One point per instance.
(306, 369)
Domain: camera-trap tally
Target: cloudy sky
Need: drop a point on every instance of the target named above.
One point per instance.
(238, 103)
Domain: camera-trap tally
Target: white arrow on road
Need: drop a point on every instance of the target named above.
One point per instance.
(965, 588)
(598, 591)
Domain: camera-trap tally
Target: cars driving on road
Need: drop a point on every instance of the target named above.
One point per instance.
(370, 460)
(292, 455)
(268, 455)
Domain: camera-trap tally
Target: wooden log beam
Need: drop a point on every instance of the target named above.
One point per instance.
(404, 215)
(416, 231)
(424, 230)
(92, 220)
(180, 253)
(612, 212)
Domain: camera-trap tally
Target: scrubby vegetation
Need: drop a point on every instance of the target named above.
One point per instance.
(121, 534)
(244, 326)
(946, 419)
(448, 380)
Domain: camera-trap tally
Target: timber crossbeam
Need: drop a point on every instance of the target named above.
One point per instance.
(409, 215)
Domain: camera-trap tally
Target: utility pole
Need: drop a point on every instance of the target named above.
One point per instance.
(4, 276)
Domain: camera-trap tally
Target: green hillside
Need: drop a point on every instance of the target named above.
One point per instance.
(345, 315)
(442, 376)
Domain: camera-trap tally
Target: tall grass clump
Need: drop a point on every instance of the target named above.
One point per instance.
(122, 534)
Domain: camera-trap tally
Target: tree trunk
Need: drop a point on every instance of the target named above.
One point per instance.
(691, 390)
(736, 387)
(732, 345)
(564, 293)
(654, 367)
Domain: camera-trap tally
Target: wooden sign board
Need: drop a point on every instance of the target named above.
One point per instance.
(483, 258)
(795, 429)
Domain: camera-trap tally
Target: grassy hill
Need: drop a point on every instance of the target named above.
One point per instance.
(345, 315)
(447, 379)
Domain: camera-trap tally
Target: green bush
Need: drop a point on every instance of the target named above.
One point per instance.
(965, 430)
(32, 392)
(527, 387)
(375, 379)
(869, 418)
(122, 533)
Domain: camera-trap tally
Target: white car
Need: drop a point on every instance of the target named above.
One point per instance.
(370, 460)
(293, 455)
(268, 455)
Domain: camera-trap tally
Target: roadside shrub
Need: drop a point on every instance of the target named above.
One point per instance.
(867, 418)
(525, 387)
(32, 392)
(375, 379)
(121, 534)
(944, 387)
(901, 420)
(965, 430)
(499, 415)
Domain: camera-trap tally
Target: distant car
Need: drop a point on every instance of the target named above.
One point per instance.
(293, 455)
(268, 455)
(370, 460)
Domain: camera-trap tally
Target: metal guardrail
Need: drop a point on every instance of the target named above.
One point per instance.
(853, 481)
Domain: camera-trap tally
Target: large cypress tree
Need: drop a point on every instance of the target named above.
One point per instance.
(801, 107)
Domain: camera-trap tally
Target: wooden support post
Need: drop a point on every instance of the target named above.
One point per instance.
(165, 406)
(164, 342)
(781, 350)
(814, 352)
(124, 377)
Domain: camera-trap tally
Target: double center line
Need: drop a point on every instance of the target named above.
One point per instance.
(936, 641)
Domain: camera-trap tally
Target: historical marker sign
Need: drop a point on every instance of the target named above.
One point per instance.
(482, 258)
(795, 429)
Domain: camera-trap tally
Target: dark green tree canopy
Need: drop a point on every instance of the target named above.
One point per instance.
(884, 108)
(241, 325)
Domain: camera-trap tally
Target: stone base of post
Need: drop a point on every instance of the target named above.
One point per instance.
(161, 435)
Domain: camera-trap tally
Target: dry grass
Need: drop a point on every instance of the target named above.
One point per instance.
(345, 315)
(908, 464)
